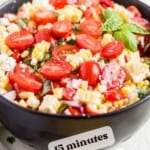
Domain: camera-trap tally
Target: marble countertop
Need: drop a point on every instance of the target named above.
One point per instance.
(140, 141)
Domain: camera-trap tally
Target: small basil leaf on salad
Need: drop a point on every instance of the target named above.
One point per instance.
(128, 38)
(61, 108)
(135, 29)
(113, 21)
(46, 86)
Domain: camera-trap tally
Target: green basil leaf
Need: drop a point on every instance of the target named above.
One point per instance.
(61, 108)
(46, 86)
(135, 29)
(113, 21)
(128, 38)
(11, 139)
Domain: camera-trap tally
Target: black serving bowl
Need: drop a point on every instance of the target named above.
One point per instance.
(38, 129)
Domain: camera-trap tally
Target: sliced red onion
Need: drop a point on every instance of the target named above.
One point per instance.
(11, 95)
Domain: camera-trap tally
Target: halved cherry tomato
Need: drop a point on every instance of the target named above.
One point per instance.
(89, 110)
(135, 11)
(16, 55)
(25, 78)
(107, 3)
(68, 93)
(112, 49)
(113, 95)
(114, 75)
(20, 40)
(93, 12)
(56, 69)
(91, 27)
(58, 3)
(43, 34)
(61, 28)
(90, 71)
(141, 22)
(73, 110)
(63, 50)
(44, 16)
(88, 42)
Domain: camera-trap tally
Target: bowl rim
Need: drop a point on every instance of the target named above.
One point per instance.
(36, 112)
(113, 113)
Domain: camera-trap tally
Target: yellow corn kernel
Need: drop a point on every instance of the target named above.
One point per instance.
(120, 103)
(4, 49)
(58, 93)
(107, 38)
(33, 102)
(70, 13)
(4, 82)
(22, 103)
(32, 24)
(109, 104)
(50, 104)
(25, 95)
(133, 100)
(40, 49)
(84, 85)
(25, 54)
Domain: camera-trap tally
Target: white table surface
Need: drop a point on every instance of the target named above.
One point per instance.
(140, 141)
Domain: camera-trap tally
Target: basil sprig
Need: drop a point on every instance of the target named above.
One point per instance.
(125, 32)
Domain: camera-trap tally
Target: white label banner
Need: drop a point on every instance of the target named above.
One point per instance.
(97, 139)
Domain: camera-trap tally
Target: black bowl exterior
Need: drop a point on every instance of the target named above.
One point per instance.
(38, 129)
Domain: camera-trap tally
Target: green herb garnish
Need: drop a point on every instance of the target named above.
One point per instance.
(142, 93)
(61, 108)
(71, 41)
(113, 21)
(46, 86)
(128, 38)
(11, 139)
(76, 28)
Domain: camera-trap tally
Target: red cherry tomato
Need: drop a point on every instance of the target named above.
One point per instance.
(89, 110)
(25, 78)
(20, 40)
(56, 69)
(112, 49)
(107, 3)
(68, 93)
(114, 75)
(16, 55)
(88, 42)
(74, 111)
(141, 22)
(43, 35)
(93, 12)
(61, 51)
(58, 3)
(91, 27)
(90, 71)
(114, 95)
(135, 11)
(61, 28)
(44, 16)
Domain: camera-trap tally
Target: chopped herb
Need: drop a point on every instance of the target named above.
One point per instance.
(71, 41)
(46, 86)
(11, 139)
(27, 61)
(60, 41)
(47, 57)
(142, 93)
(61, 108)
(76, 28)
(35, 68)
(75, 71)
(147, 63)
(22, 22)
